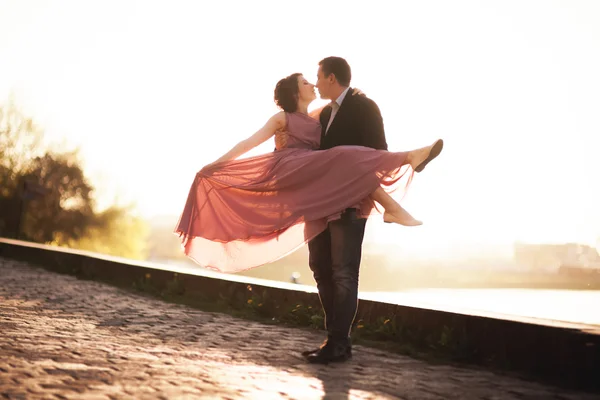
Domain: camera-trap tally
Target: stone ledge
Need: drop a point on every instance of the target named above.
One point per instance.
(567, 354)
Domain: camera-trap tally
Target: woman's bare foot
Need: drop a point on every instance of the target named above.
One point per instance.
(400, 216)
(419, 158)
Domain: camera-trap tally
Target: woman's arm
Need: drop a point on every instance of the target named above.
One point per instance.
(277, 121)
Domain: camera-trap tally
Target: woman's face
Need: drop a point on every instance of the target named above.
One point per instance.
(306, 90)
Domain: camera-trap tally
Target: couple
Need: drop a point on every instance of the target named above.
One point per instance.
(318, 186)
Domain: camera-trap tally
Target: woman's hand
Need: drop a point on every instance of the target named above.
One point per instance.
(209, 166)
(357, 91)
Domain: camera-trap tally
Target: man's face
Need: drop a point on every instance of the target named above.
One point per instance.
(324, 84)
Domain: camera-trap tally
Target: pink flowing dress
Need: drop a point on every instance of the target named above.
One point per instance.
(244, 213)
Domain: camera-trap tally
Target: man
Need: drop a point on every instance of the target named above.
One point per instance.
(335, 254)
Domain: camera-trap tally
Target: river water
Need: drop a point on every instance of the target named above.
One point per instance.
(580, 306)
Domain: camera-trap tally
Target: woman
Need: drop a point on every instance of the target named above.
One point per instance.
(244, 213)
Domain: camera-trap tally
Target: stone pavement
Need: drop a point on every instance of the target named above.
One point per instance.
(61, 338)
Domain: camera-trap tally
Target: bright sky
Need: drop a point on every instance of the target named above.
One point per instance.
(153, 90)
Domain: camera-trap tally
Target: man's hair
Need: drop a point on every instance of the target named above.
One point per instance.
(337, 66)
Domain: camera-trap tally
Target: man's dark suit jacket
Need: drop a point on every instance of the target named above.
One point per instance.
(358, 122)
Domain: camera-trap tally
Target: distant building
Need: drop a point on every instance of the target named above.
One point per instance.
(553, 257)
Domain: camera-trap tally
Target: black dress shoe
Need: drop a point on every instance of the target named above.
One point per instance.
(306, 353)
(309, 352)
(333, 351)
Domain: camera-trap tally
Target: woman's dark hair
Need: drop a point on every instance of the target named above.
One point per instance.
(286, 93)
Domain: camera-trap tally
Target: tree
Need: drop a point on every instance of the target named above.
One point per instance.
(20, 141)
(45, 196)
(117, 232)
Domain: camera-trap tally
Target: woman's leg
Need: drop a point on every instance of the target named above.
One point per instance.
(419, 158)
(393, 211)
